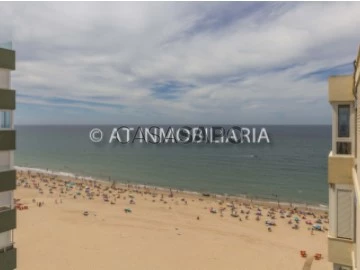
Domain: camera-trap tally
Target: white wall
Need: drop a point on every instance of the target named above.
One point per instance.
(332, 211)
(4, 78)
(5, 239)
(5, 161)
(357, 236)
(5, 198)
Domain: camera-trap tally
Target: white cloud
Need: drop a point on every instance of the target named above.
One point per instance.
(245, 61)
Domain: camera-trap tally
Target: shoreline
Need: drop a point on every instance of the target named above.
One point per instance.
(241, 197)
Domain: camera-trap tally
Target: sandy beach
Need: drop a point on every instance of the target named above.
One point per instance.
(78, 224)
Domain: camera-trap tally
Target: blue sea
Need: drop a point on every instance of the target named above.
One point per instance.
(292, 168)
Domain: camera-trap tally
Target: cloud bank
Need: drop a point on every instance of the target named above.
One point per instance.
(175, 63)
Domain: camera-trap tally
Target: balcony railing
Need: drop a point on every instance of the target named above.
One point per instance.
(7, 100)
(9, 247)
(340, 250)
(6, 45)
(8, 219)
(8, 258)
(7, 140)
(341, 88)
(4, 168)
(7, 59)
(340, 169)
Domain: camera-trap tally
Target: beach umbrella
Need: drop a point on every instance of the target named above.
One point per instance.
(296, 218)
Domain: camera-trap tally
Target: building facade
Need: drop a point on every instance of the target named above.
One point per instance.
(343, 173)
(7, 172)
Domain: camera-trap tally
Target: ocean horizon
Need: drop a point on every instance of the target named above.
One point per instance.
(292, 168)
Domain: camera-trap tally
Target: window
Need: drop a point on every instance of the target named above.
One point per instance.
(5, 119)
(343, 121)
(345, 214)
(343, 148)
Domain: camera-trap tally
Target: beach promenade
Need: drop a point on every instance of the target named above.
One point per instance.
(69, 224)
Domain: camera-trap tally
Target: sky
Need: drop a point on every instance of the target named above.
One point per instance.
(178, 62)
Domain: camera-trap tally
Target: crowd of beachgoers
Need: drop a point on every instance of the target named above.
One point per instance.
(111, 193)
(111, 223)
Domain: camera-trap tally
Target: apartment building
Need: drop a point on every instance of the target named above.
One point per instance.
(7, 172)
(343, 173)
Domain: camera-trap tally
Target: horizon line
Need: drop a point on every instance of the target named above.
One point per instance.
(173, 124)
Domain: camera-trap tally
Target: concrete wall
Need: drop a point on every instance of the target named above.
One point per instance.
(340, 169)
(339, 251)
(4, 159)
(332, 211)
(357, 72)
(5, 199)
(5, 78)
(357, 236)
(357, 189)
(5, 239)
(341, 88)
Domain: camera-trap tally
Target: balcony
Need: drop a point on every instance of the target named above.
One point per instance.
(340, 250)
(7, 180)
(341, 88)
(340, 169)
(7, 99)
(8, 219)
(8, 258)
(7, 140)
(7, 59)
